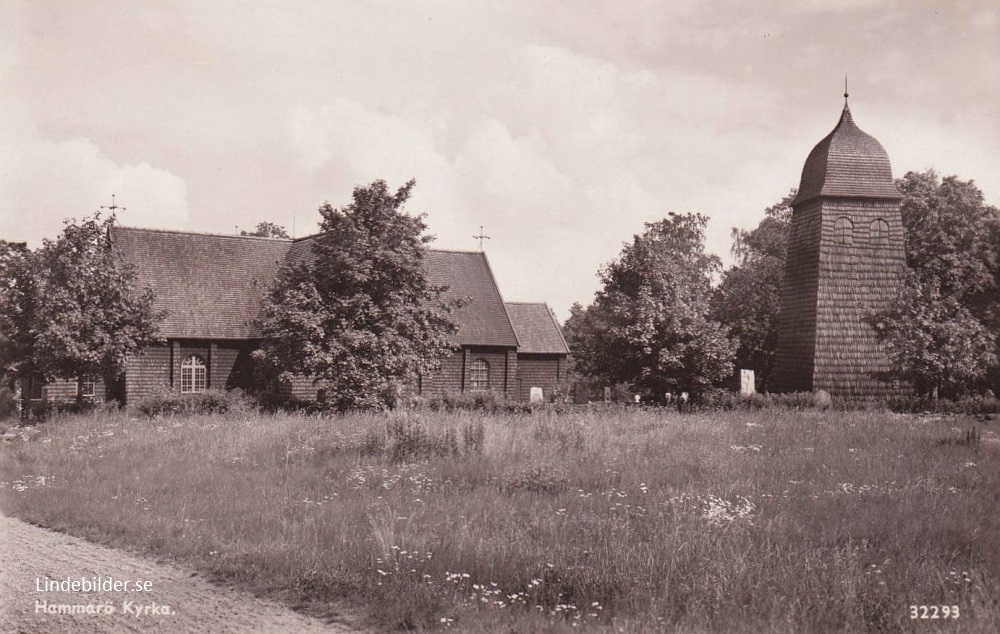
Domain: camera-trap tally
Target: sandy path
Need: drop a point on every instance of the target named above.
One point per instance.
(28, 553)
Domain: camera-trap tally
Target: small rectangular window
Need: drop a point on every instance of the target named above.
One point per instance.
(86, 388)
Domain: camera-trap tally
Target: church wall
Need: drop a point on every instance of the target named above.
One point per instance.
(538, 370)
(147, 373)
(159, 367)
(454, 374)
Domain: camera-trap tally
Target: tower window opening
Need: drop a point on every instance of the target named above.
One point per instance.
(843, 231)
(878, 232)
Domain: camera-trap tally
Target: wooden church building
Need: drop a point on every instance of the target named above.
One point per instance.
(211, 288)
(845, 261)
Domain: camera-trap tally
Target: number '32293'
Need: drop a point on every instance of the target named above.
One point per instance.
(933, 611)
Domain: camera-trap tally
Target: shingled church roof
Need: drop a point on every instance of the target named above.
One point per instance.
(212, 286)
(536, 328)
(848, 162)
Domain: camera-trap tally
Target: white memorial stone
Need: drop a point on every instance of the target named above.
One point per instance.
(748, 384)
(536, 395)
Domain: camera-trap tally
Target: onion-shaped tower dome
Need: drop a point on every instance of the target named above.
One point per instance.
(847, 163)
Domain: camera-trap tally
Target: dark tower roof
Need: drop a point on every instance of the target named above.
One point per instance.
(847, 162)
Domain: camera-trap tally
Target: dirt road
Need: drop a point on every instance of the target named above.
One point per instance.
(175, 600)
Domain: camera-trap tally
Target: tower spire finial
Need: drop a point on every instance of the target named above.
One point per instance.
(845, 89)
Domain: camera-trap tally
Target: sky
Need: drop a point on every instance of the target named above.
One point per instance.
(559, 127)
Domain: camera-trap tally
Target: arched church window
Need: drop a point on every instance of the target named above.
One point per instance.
(843, 231)
(194, 374)
(878, 233)
(479, 375)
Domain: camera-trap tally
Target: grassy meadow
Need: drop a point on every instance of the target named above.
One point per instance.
(603, 519)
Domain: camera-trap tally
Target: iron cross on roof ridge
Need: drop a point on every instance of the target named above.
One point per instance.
(113, 207)
(482, 236)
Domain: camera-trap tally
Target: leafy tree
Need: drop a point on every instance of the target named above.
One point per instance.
(951, 237)
(72, 307)
(650, 325)
(267, 230)
(748, 298)
(11, 254)
(360, 316)
(934, 341)
(940, 330)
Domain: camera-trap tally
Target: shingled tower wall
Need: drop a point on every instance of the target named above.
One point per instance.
(845, 261)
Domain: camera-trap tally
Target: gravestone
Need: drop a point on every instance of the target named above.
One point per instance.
(536, 395)
(607, 395)
(822, 399)
(747, 384)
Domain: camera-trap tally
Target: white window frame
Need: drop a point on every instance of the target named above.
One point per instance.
(479, 375)
(84, 383)
(194, 375)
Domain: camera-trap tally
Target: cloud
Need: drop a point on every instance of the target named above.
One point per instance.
(46, 178)
(47, 181)
(560, 127)
(559, 176)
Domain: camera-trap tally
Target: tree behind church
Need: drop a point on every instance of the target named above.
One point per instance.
(267, 230)
(748, 298)
(72, 308)
(650, 324)
(359, 317)
(940, 332)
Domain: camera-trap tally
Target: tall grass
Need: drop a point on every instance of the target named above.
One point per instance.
(606, 519)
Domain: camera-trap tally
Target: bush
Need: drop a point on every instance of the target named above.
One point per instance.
(724, 400)
(485, 401)
(965, 405)
(169, 403)
(8, 406)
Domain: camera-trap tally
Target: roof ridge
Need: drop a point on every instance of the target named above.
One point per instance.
(286, 240)
(200, 233)
(323, 233)
(457, 251)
